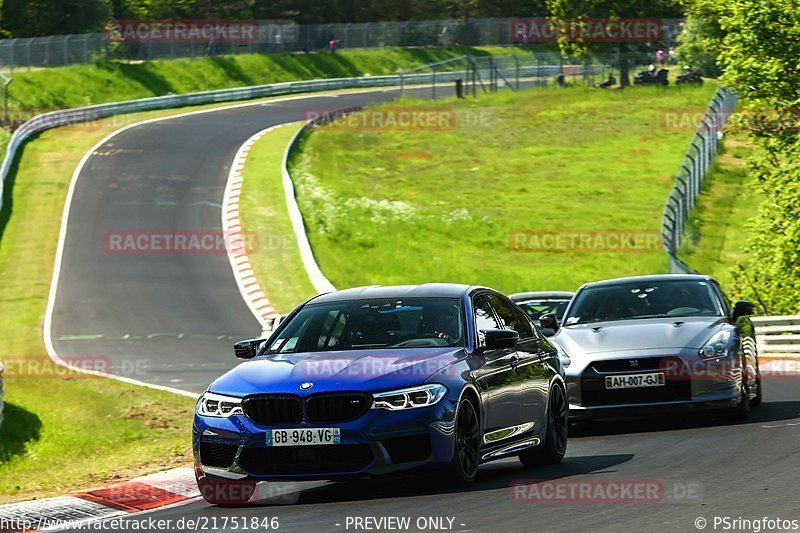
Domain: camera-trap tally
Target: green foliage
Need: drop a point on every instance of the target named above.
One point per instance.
(572, 9)
(698, 48)
(759, 45)
(25, 18)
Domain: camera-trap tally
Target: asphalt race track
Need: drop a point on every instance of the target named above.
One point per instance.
(170, 319)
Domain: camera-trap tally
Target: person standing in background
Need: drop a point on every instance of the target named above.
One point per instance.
(660, 58)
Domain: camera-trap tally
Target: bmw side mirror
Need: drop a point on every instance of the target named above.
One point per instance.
(498, 339)
(247, 349)
(548, 323)
(743, 308)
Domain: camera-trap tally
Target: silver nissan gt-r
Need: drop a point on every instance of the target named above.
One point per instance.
(642, 344)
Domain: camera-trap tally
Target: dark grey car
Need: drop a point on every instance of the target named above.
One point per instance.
(667, 342)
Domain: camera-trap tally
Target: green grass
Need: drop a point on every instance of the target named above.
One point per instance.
(276, 261)
(716, 232)
(81, 85)
(414, 205)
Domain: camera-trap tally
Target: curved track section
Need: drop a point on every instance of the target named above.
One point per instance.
(169, 319)
(162, 317)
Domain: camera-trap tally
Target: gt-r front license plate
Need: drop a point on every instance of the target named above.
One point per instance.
(303, 437)
(633, 381)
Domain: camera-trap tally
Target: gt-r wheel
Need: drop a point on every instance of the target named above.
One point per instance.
(755, 402)
(555, 444)
(466, 450)
(220, 491)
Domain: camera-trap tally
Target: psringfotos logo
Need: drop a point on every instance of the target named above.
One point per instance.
(585, 241)
(155, 242)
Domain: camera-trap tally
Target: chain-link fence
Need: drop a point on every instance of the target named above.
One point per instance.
(484, 74)
(696, 162)
(60, 50)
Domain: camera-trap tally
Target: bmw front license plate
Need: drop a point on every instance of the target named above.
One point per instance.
(303, 437)
(633, 381)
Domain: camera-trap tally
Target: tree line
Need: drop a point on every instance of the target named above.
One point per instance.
(29, 18)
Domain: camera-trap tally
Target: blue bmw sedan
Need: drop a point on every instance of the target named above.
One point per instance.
(377, 380)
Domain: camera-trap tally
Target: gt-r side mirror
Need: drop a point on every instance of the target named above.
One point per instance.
(548, 322)
(743, 308)
(498, 339)
(247, 349)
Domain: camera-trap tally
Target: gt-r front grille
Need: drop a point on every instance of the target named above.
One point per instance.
(338, 408)
(274, 410)
(218, 454)
(632, 364)
(306, 460)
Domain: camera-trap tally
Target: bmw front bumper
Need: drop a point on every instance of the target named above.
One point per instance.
(377, 443)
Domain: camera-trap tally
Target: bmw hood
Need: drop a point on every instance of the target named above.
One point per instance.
(362, 370)
(642, 334)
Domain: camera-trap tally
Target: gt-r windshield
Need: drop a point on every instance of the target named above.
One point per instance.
(537, 308)
(658, 299)
(373, 324)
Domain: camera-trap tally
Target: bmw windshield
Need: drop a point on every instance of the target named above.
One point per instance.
(657, 299)
(373, 324)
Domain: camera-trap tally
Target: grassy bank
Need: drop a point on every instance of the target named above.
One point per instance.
(410, 204)
(66, 432)
(81, 85)
(276, 261)
(716, 230)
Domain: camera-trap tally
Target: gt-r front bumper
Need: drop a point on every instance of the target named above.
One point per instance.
(687, 382)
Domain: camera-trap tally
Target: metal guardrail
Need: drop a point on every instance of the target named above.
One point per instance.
(683, 197)
(778, 335)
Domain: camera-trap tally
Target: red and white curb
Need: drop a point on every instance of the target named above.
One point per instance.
(155, 491)
(243, 271)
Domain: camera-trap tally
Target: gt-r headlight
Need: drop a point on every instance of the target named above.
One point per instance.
(211, 404)
(410, 398)
(719, 345)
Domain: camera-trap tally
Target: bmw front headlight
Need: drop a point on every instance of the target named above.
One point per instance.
(410, 398)
(719, 345)
(211, 404)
